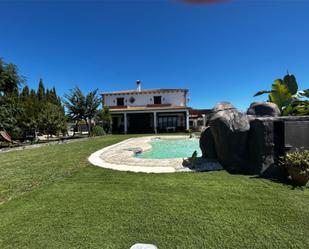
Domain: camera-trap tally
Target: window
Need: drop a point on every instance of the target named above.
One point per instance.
(120, 101)
(167, 121)
(157, 99)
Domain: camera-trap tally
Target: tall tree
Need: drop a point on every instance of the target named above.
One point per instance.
(52, 120)
(81, 107)
(24, 113)
(10, 80)
(25, 93)
(28, 119)
(92, 104)
(2, 68)
(9, 113)
(10, 109)
(41, 90)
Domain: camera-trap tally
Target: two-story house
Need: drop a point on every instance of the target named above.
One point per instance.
(145, 111)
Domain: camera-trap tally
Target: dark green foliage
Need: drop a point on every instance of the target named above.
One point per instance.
(98, 131)
(10, 80)
(25, 92)
(41, 91)
(51, 120)
(51, 96)
(104, 117)
(26, 112)
(290, 81)
(43, 112)
(92, 104)
(297, 107)
(9, 113)
(75, 103)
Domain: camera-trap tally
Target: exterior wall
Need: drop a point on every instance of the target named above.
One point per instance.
(143, 99)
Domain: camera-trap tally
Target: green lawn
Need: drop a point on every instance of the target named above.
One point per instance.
(52, 198)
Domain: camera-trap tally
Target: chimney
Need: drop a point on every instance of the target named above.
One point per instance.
(138, 85)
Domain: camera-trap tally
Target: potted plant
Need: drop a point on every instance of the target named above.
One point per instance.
(297, 165)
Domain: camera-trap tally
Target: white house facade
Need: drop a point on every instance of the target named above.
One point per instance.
(149, 110)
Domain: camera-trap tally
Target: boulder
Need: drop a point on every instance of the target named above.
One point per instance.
(260, 146)
(222, 106)
(263, 109)
(266, 143)
(229, 128)
(207, 144)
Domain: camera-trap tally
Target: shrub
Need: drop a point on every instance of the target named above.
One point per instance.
(98, 131)
(297, 161)
(105, 118)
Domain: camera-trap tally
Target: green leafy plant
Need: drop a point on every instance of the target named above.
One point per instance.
(104, 117)
(297, 107)
(98, 131)
(280, 94)
(297, 165)
(189, 131)
(297, 160)
(284, 93)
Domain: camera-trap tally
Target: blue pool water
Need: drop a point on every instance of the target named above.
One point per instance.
(171, 148)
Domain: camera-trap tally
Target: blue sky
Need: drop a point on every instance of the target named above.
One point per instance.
(225, 51)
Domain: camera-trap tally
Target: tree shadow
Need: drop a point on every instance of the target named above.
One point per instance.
(283, 181)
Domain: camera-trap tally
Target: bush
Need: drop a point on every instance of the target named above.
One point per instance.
(189, 131)
(104, 118)
(98, 131)
(297, 161)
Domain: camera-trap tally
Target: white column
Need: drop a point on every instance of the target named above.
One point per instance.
(187, 120)
(125, 123)
(155, 122)
(204, 119)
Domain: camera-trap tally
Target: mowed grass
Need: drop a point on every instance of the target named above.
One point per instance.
(75, 205)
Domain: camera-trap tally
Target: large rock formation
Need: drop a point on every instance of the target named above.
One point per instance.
(263, 109)
(252, 143)
(260, 145)
(229, 128)
(207, 144)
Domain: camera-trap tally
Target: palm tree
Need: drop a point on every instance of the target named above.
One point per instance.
(92, 104)
(81, 107)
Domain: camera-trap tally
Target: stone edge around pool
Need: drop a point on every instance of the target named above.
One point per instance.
(119, 157)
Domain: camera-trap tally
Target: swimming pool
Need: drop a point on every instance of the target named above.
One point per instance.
(171, 148)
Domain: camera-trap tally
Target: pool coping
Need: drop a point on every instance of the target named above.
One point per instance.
(120, 156)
